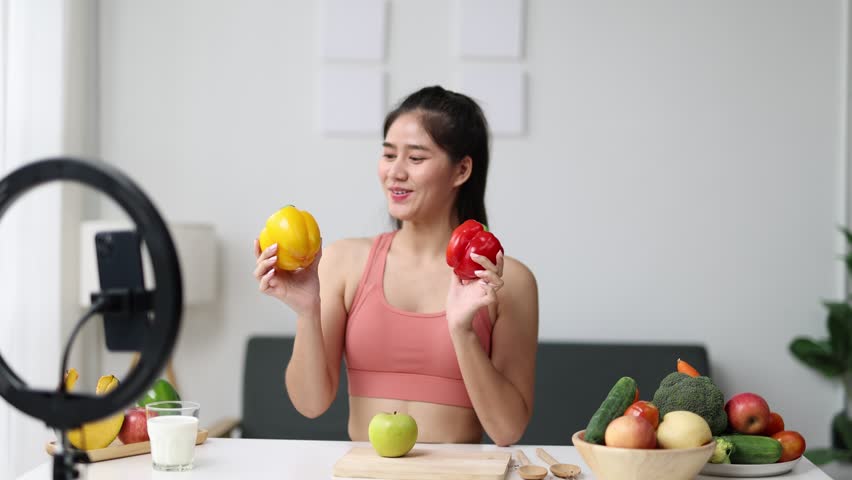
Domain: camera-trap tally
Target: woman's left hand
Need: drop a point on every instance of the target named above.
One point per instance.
(465, 297)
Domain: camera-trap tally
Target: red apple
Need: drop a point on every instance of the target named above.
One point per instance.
(747, 413)
(135, 427)
(630, 432)
(775, 425)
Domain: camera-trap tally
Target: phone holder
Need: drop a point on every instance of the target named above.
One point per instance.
(65, 411)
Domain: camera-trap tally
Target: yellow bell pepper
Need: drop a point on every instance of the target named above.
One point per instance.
(297, 235)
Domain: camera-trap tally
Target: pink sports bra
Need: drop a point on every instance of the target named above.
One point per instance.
(391, 353)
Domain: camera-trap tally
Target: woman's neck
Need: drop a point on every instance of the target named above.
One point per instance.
(425, 240)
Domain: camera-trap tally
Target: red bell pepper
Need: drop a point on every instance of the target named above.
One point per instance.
(471, 237)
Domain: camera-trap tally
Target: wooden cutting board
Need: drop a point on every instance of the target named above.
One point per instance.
(424, 463)
(119, 450)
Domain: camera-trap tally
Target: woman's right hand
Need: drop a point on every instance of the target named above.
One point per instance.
(298, 289)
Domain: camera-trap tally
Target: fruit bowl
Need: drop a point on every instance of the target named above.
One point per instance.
(610, 463)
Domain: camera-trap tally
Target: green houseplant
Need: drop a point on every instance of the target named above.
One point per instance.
(832, 357)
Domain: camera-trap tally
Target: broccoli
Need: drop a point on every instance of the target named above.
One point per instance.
(699, 395)
(724, 449)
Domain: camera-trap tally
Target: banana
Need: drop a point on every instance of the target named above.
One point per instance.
(106, 384)
(70, 379)
(101, 433)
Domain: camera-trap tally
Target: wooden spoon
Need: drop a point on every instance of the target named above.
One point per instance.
(561, 470)
(530, 472)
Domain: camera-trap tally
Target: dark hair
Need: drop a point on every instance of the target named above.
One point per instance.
(456, 124)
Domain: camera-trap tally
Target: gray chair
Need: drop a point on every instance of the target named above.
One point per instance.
(572, 379)
(267, 411)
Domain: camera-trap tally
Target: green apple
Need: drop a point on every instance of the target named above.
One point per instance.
(393, 434)
(160, 391)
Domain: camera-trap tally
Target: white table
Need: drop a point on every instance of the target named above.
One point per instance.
(242, 459)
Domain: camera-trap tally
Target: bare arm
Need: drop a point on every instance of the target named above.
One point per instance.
(316, 295)
(313, 373)
(501, 387)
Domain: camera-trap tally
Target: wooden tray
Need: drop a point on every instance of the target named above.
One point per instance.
(119, 450)
(424, 463)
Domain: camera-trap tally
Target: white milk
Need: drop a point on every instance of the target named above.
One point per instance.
(172, 439)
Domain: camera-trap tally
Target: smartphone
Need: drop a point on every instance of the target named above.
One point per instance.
(119, 255)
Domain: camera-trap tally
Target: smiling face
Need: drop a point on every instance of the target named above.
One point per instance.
(419, 180)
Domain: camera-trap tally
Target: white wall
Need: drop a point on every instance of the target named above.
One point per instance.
(46, 112)
(681, 180)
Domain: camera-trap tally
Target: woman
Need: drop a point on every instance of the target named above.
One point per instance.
(458, 356)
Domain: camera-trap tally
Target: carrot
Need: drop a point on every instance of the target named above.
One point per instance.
(686, 368)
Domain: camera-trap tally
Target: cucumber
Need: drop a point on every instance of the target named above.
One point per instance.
(754, 449)
(619, 398)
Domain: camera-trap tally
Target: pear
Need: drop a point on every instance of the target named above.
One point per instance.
(683, 429)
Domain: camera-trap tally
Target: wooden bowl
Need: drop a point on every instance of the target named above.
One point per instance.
(610, 463)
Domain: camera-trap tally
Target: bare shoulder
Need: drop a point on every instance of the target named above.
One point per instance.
(344, 260)
(346, 254)
(347, 248)
(518, 277)
(519, 295)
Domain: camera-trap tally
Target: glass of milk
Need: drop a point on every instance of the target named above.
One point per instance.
(172, 428)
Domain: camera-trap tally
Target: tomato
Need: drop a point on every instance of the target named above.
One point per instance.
(792, 445)
(646, 410)
(775, 425)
